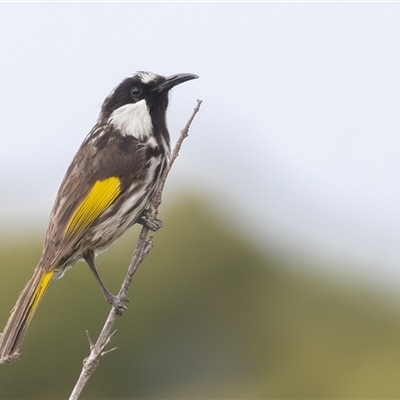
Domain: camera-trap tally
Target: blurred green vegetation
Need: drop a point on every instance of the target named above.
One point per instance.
(210, 317)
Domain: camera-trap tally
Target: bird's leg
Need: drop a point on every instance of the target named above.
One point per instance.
(154, 224)
(114, 301)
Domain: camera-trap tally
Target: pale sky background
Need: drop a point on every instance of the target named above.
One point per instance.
(299, 132)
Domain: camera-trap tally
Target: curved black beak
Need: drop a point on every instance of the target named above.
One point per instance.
(173, 80)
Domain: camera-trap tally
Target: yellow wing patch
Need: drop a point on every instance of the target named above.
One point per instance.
(101, 195)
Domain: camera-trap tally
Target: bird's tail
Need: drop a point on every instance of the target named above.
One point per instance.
(22, 313)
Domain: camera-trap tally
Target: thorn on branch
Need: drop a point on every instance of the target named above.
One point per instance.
(91, 344)
(108, 351)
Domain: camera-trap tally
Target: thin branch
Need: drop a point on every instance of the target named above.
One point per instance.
(184, 134)
(143, 247)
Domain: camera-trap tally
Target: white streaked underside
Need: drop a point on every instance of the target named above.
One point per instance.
(133, 119)
(111, 229)
(106, 233)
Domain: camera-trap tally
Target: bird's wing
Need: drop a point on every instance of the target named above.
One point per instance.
(97, 176)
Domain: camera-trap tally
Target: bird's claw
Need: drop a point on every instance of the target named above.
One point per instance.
(115, 302)
(154, 224)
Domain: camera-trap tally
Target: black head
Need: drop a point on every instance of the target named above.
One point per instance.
(152, 88)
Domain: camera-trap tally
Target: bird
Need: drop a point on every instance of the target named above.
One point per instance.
(106, 189)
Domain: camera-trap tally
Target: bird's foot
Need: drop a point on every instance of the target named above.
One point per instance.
(154, 224)
(116, 302)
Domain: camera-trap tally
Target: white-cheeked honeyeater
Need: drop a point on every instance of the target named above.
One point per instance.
(106, 189)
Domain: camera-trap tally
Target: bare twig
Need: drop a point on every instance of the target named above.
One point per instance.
(143, 247)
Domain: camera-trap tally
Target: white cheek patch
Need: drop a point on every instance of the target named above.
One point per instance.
(133, 119)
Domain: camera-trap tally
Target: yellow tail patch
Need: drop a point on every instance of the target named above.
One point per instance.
(40, 290)
(99, 198)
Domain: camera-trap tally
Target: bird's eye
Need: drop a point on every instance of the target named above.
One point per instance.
(136, 91)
